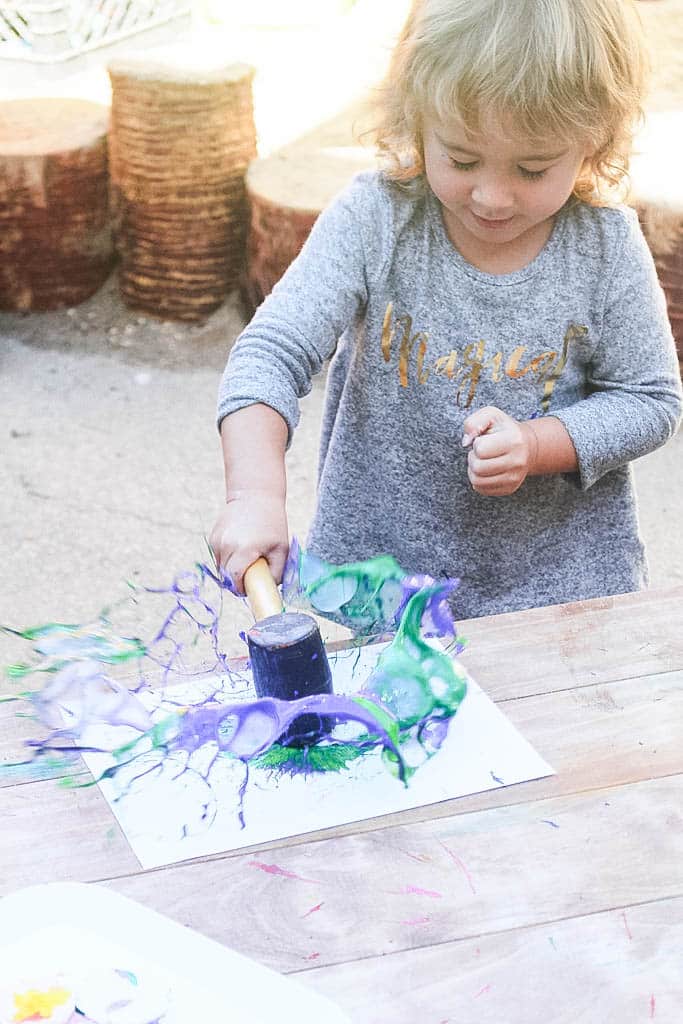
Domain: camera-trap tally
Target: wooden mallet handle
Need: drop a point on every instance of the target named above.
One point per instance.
(261, 590)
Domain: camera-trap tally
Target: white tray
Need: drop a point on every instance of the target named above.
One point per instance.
(67, 927)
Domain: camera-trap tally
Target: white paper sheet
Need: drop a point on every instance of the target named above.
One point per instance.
(71, 929)
(166, 815)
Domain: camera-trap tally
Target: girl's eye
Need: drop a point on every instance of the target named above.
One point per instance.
(462, 166)
(531, 175)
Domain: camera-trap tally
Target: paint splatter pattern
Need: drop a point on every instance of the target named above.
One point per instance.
(405, 705)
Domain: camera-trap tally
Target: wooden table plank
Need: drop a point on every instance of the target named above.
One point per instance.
(593, 737)
(437, 881)
(577, 644)
(53, 834)
(617, 967)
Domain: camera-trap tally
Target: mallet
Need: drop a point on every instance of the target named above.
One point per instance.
(287, 654)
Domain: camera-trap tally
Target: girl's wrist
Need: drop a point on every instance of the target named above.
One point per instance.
(549, 446)
(254, 494)
(532, 446)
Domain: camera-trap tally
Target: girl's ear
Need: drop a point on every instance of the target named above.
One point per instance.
(584, 185)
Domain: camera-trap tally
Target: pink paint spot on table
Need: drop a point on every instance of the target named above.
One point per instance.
(414, 890)
(275, 869)
(454, 857)
(313, 910)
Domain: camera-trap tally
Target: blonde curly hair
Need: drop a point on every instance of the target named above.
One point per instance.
(568, 69)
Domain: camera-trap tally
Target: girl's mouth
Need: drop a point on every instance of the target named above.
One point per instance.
(488, 222)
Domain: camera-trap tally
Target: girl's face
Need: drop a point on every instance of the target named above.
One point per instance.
(499, 191)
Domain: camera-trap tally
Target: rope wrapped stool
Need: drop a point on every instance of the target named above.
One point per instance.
(287, 191)
(181, 139)
(657, 195)
(55, 233)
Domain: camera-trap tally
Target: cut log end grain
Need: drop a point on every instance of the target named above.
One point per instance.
(178, 66)
(39, 127)
(287, 192)
(55, 237)
(657, 196)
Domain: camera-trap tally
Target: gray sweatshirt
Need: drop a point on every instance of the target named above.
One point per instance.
(419, 339)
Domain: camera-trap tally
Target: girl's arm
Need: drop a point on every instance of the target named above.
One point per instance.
(633, 386)
(270, 368)
(298, 325)
(254, 521)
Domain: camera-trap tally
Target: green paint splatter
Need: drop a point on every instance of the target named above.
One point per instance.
(319, 758)
(37, 769)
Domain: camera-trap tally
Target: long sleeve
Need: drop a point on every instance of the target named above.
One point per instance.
(297, 327)
(633, 387)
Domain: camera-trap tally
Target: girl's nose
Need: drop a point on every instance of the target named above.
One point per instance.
(491, 196)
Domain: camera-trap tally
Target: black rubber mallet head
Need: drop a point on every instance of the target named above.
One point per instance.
(287, 654)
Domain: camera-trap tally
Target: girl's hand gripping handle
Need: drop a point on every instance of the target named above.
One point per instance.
(261, 590)
(253, 522)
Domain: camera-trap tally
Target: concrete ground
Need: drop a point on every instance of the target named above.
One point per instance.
(110, 459)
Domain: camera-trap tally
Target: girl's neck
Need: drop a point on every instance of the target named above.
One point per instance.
(498, 259)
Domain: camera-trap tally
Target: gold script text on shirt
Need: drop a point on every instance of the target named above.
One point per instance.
(466, 367)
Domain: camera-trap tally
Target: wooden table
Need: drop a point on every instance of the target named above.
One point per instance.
(559, 900)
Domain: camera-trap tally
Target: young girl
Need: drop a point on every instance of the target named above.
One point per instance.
(501, 350)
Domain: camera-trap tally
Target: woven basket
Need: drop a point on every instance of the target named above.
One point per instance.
(180, 143)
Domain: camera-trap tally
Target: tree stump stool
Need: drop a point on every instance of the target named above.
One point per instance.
(55, 234)
(287, 191)
(657, 195)
(181, 139)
